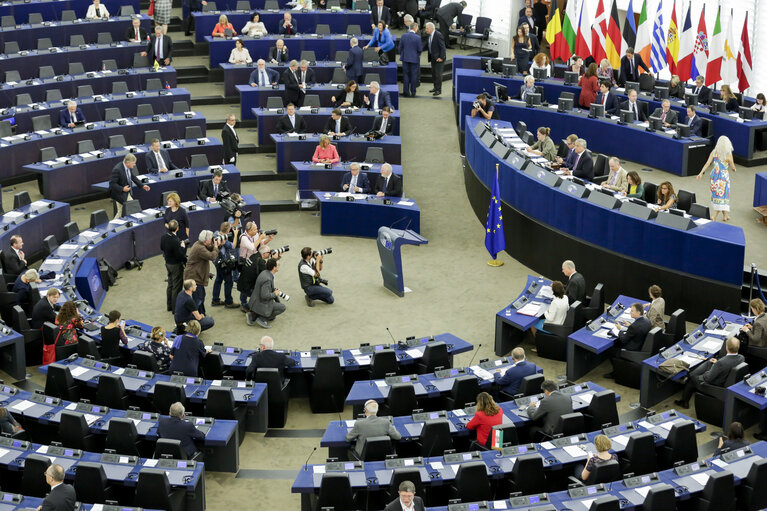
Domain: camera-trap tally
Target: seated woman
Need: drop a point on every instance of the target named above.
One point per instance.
(541, 61)
(603, 445)
(666, 196)
(255, 27)
(159, 346)
(675, 87)
(577, 65)
(605, 72)
(22, 286)
(544, 146)
(8, 425)
(69, 321)
(188, 351)
(635, 188)
(557, 311)
(488, 415)
(735, 439)
(240, 54)
(527, 88)
(325, 151)
(730, 100)
(112, 334)
(351, 96)
(222, 26)
(759, 105)
(96, 11)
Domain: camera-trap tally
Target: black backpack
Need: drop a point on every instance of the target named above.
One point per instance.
(108, 273)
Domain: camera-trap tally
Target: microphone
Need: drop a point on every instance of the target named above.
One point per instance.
(306, 463)
(475, 354)
(660, 353)
(390, 335)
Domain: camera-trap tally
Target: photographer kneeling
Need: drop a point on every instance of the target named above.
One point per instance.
(309, 276)
(265, 302)
(226, 266)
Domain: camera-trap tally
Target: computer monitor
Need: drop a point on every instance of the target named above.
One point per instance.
(566, 104)
(501, 150)
(596, 110)
(682, 130)
(501, 92)
(491, 65)
(540, 74)
(661, 93)
(533, 99)
(717, 106)
(655, 124)
(632, 85)
(571, 78)
(626, 116)
(509, 69)
(745, 112)
(690, 98)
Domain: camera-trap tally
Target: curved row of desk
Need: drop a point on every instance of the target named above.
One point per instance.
(51, 9)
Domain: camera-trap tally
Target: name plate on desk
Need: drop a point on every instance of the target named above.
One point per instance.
(574, 389)
(119, 458)
(586, 491)
(425, 416)
(472, 506)
(342, 466)
(139, 415)
(516, 450)
(407, 462)
(634, 482)
(391, 380)
(185, 380)
(674, 221)
(543, 175)
(637, 210)
(529, 500)
(606, 199)
(462, 456)
(571, 187)
(619, 429)
(448, 373)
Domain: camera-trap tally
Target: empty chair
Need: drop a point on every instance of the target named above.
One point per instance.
(179, 107)
(198, 161)
(661, 497)
(46, 72)
(11, 47)
(109, 64)
(435, 438)
(153, 84)
(509, 436)
(339, 75)
(85, 146)
(33, 337)
(274, 102)
(75, 68)
(74, 432)
(144, 110)
(166, 447)
(752, 492)
(527, 474)
(48, 153)
(91, 484)
(376, 448)
(596, 305)
(44, 43)
(119, 87)
(277, 395)
(5, 129)
(220, 405)
(341, 56)
(104, 38)
(8, 21)
(628, 365)
(327, 386)
(49, 242)
(243, 5)
(127, 10)
(372, 77)
(86, 347)
(531, 385)
(98, 217)
(471, 482)
(570, 424)
(144, 360)
(110, 392)
(354, 30)
(382, 363)
(335, 492)
(84, 91)
(434, 355)
(23, 99)
(209, 7)
(602, 411)
(59, 382)
(312, 100)
(21, 199)
(606, 502)
(551, 342)
(35, 18)
(322, 29)
(680, 445)
(370, 55)
(464, 391)
(212, 366)
(68, 15)
(112, 114)
(12, 76)
(165, 394)
(116, 141)
(639, 456)
(718, 494)
(402, 400)
(481, 31)
(153, 491)
(51, 95)
(151, 135)
(140, 60)
(675, 328)
(700, 211)
(33, 476)
(308, 55)
(685, 199)
(270, 5)
(193, 132)
(41, 122)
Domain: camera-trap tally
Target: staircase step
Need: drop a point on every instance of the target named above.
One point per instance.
(210, 100)
(267, 175)
(272, 206)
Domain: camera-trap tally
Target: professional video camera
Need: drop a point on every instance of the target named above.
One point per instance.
(231, 206)
(278, 251)
(326, 251)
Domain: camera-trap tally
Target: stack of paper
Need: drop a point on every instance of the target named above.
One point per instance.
(482, 373)
(531, 309)
(574, 451)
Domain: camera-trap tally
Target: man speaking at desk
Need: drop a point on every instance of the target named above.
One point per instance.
(120, 183)
(371, 426)
(158, 160)
(71, 116)
(355, 181)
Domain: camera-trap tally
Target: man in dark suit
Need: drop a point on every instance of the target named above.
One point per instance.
(540, 12)
(209, 190)
(388, 184)
(288, 25)
(176, 428)
(379, 12)
(435, 44)
(694, 122)
(135, 33)
(665, 114)
(446, 15)
(267, 358)
(62, 496)
(700, 90)
(160, 48)
(294, 90)
(337, 124)
(632, 105)
(410, 48)
(630, 64)
(353, 66)
(407, 499)
(428, 11)
(158, 160)
(576, 284)
(606, 98)
(305, 74)
(384, 122)
(583, 167)
(714, 372)
(355, 181)
(548, 411)
(291, 122)
(526, 16)
(71, 116)
(230, 140)
(510, 381)
(263, 76)
(45, 310)
(632, 336)
(376, 99)
(569, 160)
(121, 181)
(14, 260)
(279, 53)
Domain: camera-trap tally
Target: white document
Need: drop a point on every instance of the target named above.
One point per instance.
(20, 406)
(692, 360)
(350, 424)
(437, 465)
(587, 502)
(720, 463)
(586, 397)
(150, 463)
(89, 234)
(620, 439)
(602, 333)
(319, 469)
(414, 353)
(68, 246)
(459, 412)
(43, 449)
(545, 292)
(710, 346)
(499, 504)
(119, 370)
(363, 360)
(548, 445)
(482, 373)
(700, 478)
(77, 371)
(531, 309)
(574, 451)
(71, 406)
(382, 383)
(717, 331)
(408, 462)
(406, 203)
(355, 352)
(643, 491)
(90, 419)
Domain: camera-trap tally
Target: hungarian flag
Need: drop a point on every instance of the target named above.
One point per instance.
(643, 41)
(583, 39)
(672, 42)
(629, 28)
(729, 69)
(714, 66)
(686, 44)
(700, 48)
(554, 32)
(613, 39)
(568, 28)
(598, 33)
(745, 76)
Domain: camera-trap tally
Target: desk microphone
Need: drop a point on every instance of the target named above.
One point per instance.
(475, 354)
(660, 353)
(307, 459)
(390, 335)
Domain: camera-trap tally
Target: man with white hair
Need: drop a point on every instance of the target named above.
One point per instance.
(305, 74)
(575, 289)
(204, 250)
(371, 426)
(583, 167)
(376, 99)
(294, 89)
(617, 181)
(387, 184)
(262, 76)
(22, 288)
(175, 427)
(435, 45)
(121, 182)
(353, 66)
(71, 116)
(267, 358)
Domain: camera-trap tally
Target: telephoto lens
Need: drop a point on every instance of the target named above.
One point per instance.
(271, 232)
(284, 296)
(280, 250)
(328, 250)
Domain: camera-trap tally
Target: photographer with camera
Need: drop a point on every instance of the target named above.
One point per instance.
(174, 253)
(253, 239)
(204, 250)
(265, 302)
(309, 275)
(252, 268)
(484, 107)
(226, 267)
(210, 190)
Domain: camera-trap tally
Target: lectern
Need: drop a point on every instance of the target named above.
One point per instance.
(389, 243)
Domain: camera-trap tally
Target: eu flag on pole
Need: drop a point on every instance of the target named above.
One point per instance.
(494, 239)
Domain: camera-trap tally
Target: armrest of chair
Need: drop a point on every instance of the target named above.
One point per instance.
(712, 390)
(505, 396)
(634, 356)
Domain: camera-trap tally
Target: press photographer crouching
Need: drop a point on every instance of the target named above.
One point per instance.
(265, 302)
(309, 275)
(226, 266)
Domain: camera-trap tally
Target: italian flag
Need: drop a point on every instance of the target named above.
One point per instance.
(716, 51)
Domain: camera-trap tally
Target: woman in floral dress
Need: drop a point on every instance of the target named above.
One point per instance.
(721, 157)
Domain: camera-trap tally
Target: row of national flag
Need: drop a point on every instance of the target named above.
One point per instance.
(687, 53)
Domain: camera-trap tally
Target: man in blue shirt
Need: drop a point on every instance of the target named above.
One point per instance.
(510, 381)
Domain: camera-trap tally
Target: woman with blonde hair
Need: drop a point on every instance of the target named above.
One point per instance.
(541, 61)
(159, 346)
(730, 101)
(325, 151)
(222, 26)
(675, 87)
(605, 72)
(174, 211)
(603, 445)
(488, 415)
(721, 157)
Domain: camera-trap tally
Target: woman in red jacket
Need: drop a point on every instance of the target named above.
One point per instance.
(488, 415)
(589, 86)
(222, 26)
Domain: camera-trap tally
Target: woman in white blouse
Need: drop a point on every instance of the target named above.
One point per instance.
(96, 10)
(240, 54)
(541, 61)
(557, 311)
(255, 27)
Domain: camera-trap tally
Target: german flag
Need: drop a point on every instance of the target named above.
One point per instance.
(554, 35)
(613, 39)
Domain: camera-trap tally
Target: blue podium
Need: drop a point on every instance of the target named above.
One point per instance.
(389, 243)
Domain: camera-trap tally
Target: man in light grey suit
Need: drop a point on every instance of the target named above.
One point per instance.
(547, 412)
(265, 303)
(370, 426)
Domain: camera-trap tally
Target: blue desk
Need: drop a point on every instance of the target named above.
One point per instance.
(238, 74)
(585, 348)
(33, 223)
(315, 177)
(760, 189)
(161, 101)
(510, 325)
(324, 47)
(13, 358)
(87, 172)
(655, 388)
(741, 403)
(101, 82)
(17, 152)
(682, 157)
(350, 148)
(305, 21)
(255, 97)
(364, 217)
(51, 9)
(229, 5)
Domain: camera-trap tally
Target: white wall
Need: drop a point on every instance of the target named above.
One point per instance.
(504, 14)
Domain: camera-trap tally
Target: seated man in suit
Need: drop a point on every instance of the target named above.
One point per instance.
(337, 124)
(158, 160)
(135, 33)
(175, 427)
(714, 372)
(45, 310)
(266, 358)
(569, 160)
(617, 179)
(632, 336)
(634, 106)
(387, 184)
(279, 54)
(384, 123)
(62, 496)
(121, 181)
(291, 122)
(14, 260)
(407, 499)
(630, 64)
(288, 26)
(583, 166)
(305, 74)
(22, 288)
(71, 116)
(294, 89)
(263, 76)
(209, 190)
(694, 122)
(510, 380)
(700, 90)
(546, 413)
(355, 181)
(376, 99)
(665, 114)
(607, 98)
(371, 426)
(575, 289)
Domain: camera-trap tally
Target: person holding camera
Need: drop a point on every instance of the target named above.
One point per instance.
(484, 107)
(174, 253)
(309, 276)
(210, 190)
(204, 250)
(252, 239)
(226, 267)
(250, 269)
(265, 302)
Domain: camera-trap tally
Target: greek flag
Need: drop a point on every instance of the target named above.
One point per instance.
(658, 59)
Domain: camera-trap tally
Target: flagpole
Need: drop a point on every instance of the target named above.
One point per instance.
(495, 262)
